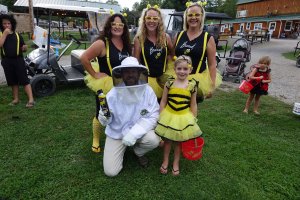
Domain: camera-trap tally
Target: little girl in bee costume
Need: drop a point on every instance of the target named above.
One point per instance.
(260, 76)
(112, 47)
(178, 111)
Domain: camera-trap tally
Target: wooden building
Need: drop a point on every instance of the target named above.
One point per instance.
(280, 18)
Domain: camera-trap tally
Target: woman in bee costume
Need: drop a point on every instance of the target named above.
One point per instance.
(153, 47)
(109, 50)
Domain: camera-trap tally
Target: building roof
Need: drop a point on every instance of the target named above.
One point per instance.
(245, 1)
(264, 19)
(63, 3)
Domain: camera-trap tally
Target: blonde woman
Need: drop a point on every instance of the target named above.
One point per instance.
(201, 47)
(153, 47)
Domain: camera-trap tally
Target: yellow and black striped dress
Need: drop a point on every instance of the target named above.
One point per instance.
(176, 121)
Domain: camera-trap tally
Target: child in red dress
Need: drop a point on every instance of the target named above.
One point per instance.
(260, 73)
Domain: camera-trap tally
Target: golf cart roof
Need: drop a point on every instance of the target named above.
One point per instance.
(209, 15)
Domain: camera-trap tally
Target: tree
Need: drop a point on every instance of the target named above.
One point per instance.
(174, 4)
(229, 7)
(143, 4)
(112, 2)
(9, 4)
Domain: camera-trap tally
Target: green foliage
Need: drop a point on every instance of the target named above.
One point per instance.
(46, 153)
(174, 4)
(143, 4)
(229, 7)
(112, 2)
(8, 3)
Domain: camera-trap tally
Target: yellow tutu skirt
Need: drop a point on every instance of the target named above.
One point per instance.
(177, 127)
(157, 84)
(158, 90)
(104, 83)
(205, 82)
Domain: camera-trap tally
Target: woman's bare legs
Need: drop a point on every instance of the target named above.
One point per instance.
(15, 93)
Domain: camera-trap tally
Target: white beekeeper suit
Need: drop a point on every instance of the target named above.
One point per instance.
(134, 113)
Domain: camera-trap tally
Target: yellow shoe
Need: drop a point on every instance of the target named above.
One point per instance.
(96, 135)
(96, 149)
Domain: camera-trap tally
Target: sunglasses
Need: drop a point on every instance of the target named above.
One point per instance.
(194, 15)
(153, 18)
(116, 24)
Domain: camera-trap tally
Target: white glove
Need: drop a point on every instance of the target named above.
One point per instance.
(128, 140)
(102, 119)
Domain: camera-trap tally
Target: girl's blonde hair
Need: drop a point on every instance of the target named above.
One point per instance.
(160, 32)
(265, 60)
(183, 58)
(185, 24)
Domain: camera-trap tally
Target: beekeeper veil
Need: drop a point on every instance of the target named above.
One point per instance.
(130, 80)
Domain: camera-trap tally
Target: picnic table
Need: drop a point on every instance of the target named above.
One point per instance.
(256, 36)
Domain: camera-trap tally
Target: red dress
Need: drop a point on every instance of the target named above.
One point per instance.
(261, 88)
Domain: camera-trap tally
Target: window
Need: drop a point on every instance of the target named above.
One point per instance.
(222, 29)
(272, 26)
(288, 26)
(257, 26)
(241, 13)
(248, 26)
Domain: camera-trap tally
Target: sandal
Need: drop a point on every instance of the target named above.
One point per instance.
(14, 103)
(175, 172)
(96, 149)
(256, 113)
(163, 170)
(245, 111)
(30, 104)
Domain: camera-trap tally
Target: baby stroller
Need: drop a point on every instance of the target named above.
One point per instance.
(240, 53)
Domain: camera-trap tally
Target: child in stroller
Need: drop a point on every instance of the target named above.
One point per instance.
(236, 62)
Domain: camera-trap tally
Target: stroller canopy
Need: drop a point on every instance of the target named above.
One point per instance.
(242, 44)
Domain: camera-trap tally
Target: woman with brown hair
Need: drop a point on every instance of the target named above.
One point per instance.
(109, 50)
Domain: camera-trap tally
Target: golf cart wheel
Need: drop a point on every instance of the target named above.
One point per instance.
(42, 85)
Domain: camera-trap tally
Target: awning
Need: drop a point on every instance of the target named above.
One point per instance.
(264, 19)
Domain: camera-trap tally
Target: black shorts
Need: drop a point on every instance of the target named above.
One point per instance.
(15, 71)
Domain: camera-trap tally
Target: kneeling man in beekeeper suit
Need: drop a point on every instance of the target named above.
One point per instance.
(134, 112)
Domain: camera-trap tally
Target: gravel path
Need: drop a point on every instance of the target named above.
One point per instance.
(285, 83)
(285, 75)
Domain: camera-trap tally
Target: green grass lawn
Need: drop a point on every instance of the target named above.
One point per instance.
(290, 55)
(46, 153)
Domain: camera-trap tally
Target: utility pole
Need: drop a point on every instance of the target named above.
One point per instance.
(31, 17)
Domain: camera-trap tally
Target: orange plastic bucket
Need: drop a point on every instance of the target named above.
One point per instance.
(192, 149)
(246, 87)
